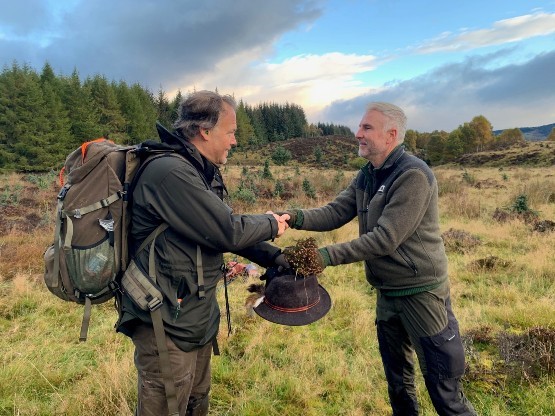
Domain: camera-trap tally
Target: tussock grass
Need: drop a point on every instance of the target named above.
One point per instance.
(331, 367)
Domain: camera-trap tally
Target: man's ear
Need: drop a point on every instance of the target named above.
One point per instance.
(392, 135)
(204, 133)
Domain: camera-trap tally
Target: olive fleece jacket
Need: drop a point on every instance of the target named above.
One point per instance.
(187, 195)
(399, 236)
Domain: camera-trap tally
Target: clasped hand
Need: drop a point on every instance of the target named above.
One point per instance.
(282, 222)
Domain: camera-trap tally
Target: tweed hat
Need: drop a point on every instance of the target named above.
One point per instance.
(293, 300)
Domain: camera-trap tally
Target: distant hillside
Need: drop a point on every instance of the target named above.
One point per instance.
(531, 153)
(340, 152)
(533, 134)
(335, 151)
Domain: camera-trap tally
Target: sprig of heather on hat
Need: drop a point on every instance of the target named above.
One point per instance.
(304, 257)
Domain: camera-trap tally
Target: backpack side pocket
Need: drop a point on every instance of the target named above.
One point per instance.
(91, 268)
(53, 283)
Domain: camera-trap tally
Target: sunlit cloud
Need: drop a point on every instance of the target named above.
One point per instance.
(501, 32)
(311, 79)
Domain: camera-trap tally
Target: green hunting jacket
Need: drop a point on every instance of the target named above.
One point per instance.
(187, 194)
(399, 237)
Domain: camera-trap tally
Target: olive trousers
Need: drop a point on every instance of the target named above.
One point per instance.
(191, 372)
(423, 323)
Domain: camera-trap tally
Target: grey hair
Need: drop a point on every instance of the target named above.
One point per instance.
(394, 115)
(200, 110)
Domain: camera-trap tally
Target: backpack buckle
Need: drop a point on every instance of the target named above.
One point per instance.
(77, 213)
(63, 192)
(154, 304)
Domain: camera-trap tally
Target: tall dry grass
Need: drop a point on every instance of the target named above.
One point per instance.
(503, 285)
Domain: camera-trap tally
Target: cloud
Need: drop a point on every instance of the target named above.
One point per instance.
(158, 41)
(308, 79)
(16, 21)
(516, 95)
(503, 31)
(212, 44)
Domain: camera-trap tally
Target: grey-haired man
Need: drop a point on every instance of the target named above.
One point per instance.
(395, 198)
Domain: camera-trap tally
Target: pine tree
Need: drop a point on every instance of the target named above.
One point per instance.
(23, 119)
(245, 132)
(83, 115)
(163, 109)
(257, 123)
(174, 105)
(140, 118)
(146, 125)
(105, 101)
(58, 137)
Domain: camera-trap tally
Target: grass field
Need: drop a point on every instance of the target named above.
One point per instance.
(501, 246)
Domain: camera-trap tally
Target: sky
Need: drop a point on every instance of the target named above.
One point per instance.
(443, 62)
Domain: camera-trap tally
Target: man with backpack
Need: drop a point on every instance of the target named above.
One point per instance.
(186, 193)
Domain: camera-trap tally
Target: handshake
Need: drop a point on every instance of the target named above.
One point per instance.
(283, 219)
(286, 219)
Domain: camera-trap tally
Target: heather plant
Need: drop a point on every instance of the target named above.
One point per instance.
(10, 195)
(460, 241)
(468, 178)
(528, 355)
(43, 180)
(304, 257)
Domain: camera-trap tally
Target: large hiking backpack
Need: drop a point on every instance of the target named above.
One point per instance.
(90, 252)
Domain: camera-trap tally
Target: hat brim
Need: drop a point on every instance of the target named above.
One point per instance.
(297, 318)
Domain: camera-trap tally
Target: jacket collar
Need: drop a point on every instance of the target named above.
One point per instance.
(370, 171)
(181, 145)
(390, 160)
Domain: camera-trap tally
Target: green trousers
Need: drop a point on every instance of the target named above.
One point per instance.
(191, 371)
(423, 323)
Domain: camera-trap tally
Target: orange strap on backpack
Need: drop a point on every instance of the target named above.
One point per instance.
(84, 147)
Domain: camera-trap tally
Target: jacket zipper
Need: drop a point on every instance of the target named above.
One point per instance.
(177, 310)
(408, 260)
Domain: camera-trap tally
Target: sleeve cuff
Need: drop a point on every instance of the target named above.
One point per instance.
(273, 229)
(299, 219)
(325, 256)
